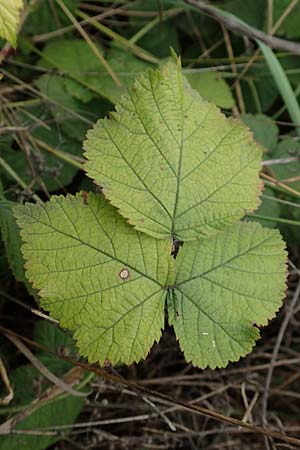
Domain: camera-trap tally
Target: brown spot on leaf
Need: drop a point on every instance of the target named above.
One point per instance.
(85, 196)
(124, 274)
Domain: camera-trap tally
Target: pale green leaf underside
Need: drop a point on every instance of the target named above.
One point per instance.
(223, 286)
(9, 19)
(76, 251)
(171, 162)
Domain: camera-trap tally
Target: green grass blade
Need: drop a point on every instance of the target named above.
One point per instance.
(275, 219)
(282, 83)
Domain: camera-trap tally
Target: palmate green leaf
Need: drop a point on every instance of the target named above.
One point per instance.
(108, 282)
(9, 19)
(223, 286)
(97, 275)
(172, 163)
(176, 168)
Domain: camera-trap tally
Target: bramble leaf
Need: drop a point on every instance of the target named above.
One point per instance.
(9, 20)
(108, 282)
(223, 286)
(172, 163)
(176, 168)
(97, 275)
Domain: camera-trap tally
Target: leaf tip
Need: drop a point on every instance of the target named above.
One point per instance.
(176, 58)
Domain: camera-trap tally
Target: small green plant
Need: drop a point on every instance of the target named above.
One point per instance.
(176, 177)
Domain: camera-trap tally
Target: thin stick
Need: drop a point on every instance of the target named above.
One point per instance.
(186, 406)
(135, 49)
(35, 311)
(282, 185)
(236, 25)
(90, 43)
(276, 351)
(4, 377)
(273, 31)
(43, 369)
(270, 16)
(238, 89)
(272, 162)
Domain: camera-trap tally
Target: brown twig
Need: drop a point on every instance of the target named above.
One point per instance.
(237, 26)
(8, 427)
(34, 311)
(89, 42)
(280, 184)
(280, 336)
(237, 86)
(4, 377)
(270, 17)
(198, 410)
(42, 368)
(273, 30)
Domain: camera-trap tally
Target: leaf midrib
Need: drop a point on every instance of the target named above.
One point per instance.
(164, 208)
(218, 324)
